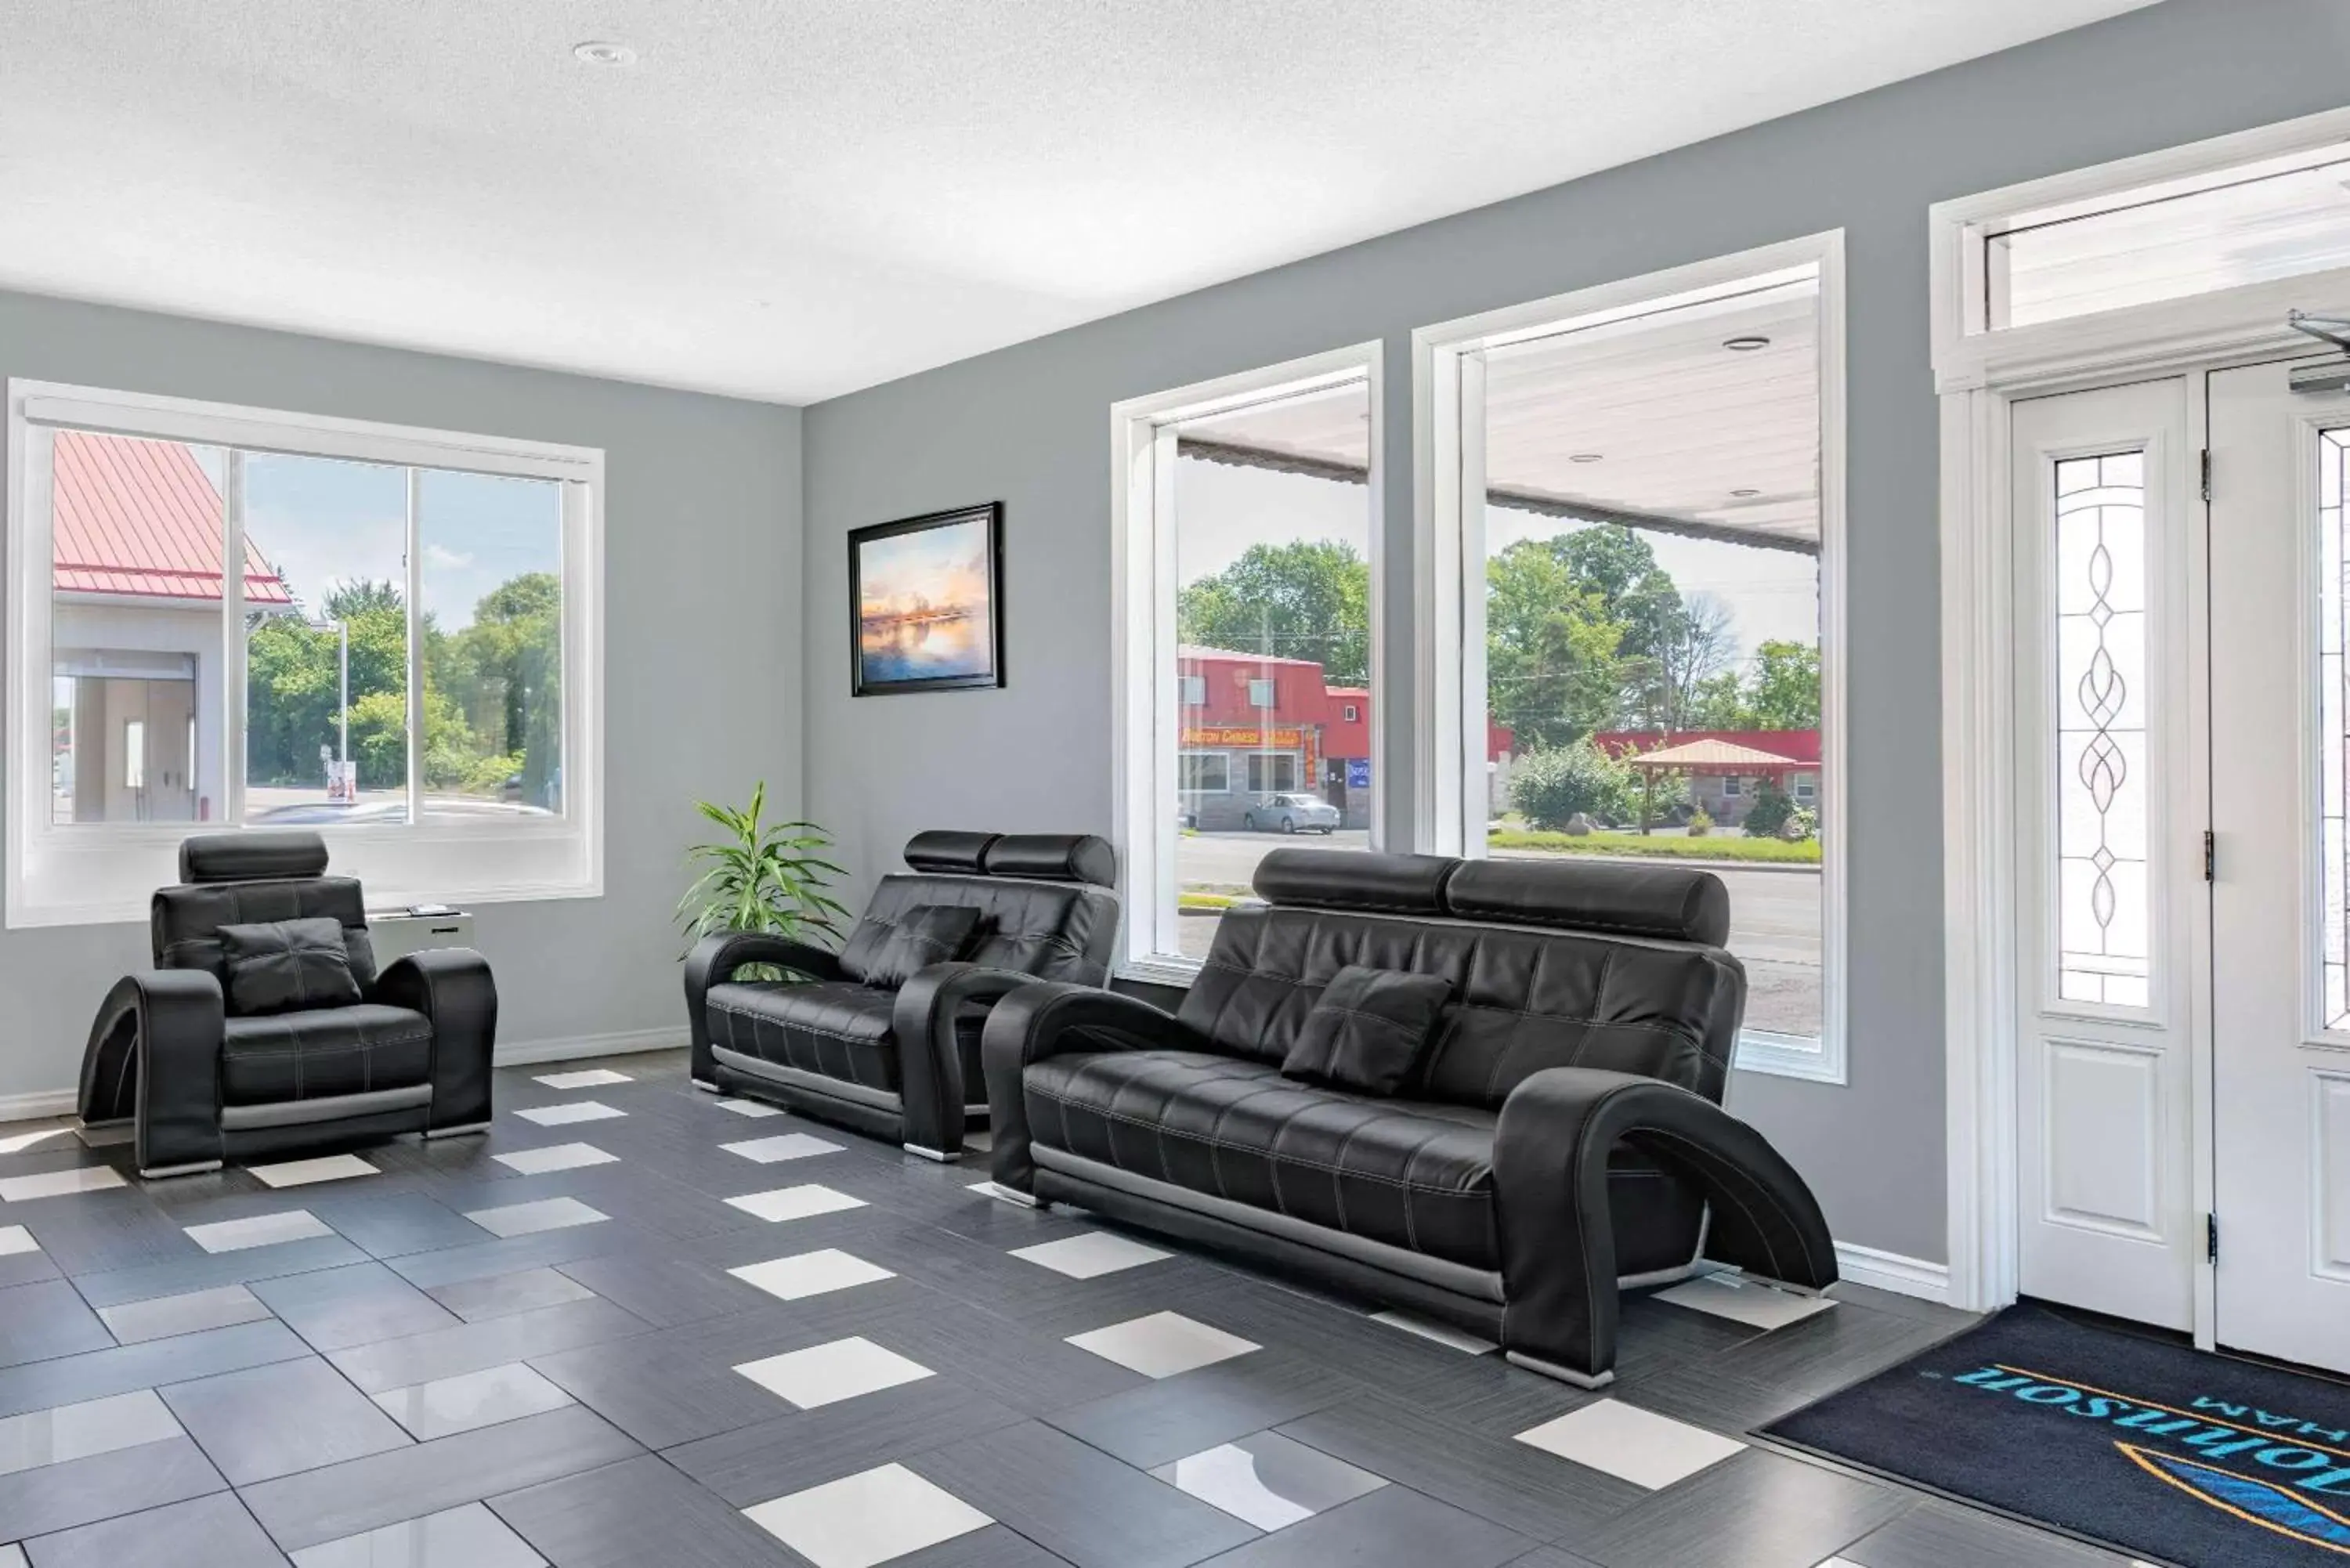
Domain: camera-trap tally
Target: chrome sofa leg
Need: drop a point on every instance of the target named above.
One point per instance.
(1553, 1369)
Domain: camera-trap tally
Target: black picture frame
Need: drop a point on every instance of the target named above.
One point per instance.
(870, 672)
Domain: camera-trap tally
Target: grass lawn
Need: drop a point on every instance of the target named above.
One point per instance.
(1664, 847)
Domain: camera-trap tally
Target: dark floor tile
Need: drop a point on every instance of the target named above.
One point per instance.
(83, 1491)
(1755, 1509)
(205, 1270)
(472, 1346)
(359, 1495)
(1828, 1351)
(1933, 1535)
(636, 1513)
(665, 1292)
(447, 1265)
(335, 1309)
(802, 1449)
(69, 1380)
(213, 1531)
(502, 1295)
(41, 1322)
(1948, 1318)
(166, 1317)
(1031, 1371)
(92, 1232)
(273, 1420)
(1536, 1494)
(1079, 1503)
(28, 1268)
(1391, 1528)
(678, 1385)
(393, 1224)
(1177, 1416)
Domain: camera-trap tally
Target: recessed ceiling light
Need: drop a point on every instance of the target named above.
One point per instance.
(597, 53)
(1746, 345)
(1583, 456)
(1742, 495)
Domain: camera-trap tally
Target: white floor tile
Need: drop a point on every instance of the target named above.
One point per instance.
(1759, 1306)
(1631, 1444)
(59, 1183)
(467, 1537)
(1091, 1256)
(52, 1437)
(827, 1373)
(1268, 1480)
(751, 1108)
(12, 1556)
(460, 1404)
(301, 1172)
(562, 1116)
(864, 1520)
(811, 1273)
(1162, 1345)
(555, 1156)
(788, 1145)
(1441, 1332)
(261, 1231)
(546, 1214)
(16, 1239)
(795, 1202)
(586, 1078)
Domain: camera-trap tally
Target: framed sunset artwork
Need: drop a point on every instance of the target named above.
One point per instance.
(926, 593)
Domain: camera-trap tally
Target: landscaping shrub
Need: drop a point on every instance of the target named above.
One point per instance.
(1551, 787)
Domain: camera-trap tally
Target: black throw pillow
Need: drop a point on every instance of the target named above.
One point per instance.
(283, 965)
(1368, 1030)
(926, 934)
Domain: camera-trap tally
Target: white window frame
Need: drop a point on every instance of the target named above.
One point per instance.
(1353, 713)
(1979, 374)
(1143, 653)
(1262, 694)
(1449, 471)
(70, 875)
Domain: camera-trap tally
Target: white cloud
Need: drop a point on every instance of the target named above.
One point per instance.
(441, 555)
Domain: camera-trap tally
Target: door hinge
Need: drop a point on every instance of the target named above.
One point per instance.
(2210, 856)
(2207, 473)
(2211, 1238)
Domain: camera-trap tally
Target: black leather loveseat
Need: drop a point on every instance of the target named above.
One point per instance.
(1498, 1143)
(883, 1036)
(265, 1025)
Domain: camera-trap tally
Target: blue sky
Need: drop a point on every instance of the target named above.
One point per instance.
(323, 523)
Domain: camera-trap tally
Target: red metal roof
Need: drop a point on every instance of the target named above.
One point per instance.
(142, 519)
(1784, 745)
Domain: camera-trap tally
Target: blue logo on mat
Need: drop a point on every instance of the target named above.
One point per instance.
(2305, 1463)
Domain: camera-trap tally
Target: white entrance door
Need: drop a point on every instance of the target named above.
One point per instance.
(2109, 833)
(2280, 942)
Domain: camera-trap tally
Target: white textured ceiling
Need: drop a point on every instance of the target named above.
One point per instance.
(791, 199)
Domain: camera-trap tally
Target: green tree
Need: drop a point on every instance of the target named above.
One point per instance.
(1305, 599)
(1785, 688)
(506, 671)
(1553, 664)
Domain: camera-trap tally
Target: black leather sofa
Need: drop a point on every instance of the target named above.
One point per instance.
(239, 1043)
(1556, 1134)
(886, 1039)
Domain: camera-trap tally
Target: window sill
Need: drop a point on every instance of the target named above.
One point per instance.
(1788, 1056)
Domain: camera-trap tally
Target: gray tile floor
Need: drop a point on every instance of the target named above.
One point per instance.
(465, 1356)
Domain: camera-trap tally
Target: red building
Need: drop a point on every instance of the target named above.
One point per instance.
(1255, 725)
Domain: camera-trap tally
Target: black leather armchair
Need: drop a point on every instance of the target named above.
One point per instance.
(204, 1083)
(1560, 1138)
(898, 1057)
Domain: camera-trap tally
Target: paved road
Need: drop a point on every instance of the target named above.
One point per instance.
(1774, 917)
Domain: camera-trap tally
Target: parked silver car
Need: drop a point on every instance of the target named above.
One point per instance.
(1292, 813)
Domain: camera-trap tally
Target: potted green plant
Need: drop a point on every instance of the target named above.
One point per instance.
(761, 877)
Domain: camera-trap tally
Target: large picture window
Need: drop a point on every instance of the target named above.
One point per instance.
(1636, 604)
(1248, 522)
(404, 657)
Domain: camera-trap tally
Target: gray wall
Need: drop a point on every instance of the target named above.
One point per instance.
(702, 688)
(1028, 426)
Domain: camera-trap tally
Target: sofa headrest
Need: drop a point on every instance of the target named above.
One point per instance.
(1052, 857)
(1341, 879)
(251, 856)
(1676, 903)
(945, 849)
